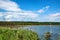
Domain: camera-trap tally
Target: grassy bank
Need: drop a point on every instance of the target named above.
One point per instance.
(10, 34)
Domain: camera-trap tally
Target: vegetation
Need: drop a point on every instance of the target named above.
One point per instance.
(13, 34)
(29, 23)
(10, 34)
(47, 36)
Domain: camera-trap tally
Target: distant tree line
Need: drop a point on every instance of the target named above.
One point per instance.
(29, 23)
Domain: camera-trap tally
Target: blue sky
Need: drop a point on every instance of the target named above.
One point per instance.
(30, 10)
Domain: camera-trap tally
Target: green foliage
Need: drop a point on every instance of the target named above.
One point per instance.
(27, 23)
(6, 34)
(47, 36)
(9, 34)
(27, 35)
(58, 38)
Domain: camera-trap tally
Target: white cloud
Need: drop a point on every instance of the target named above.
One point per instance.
(53, 17)
(9, 5)
(8, 16)
(20, 15)
(1, 14)
(43, 9)
(14, 12)
(47, 7)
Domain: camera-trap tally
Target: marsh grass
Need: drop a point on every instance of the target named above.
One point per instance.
(19, 34)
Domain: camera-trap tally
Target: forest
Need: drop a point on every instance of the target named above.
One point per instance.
(28, 23)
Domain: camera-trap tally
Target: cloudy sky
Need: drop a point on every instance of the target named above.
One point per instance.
(30, 10)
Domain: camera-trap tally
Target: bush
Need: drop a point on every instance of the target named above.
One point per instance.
(8, 34)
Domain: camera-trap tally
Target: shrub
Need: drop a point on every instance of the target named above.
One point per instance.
(8, 34)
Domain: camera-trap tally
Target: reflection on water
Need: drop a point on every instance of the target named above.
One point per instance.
(42, 29)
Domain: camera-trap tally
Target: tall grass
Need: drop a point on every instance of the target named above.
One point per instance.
(9, 34)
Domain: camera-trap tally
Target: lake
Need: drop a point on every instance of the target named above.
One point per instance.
(42, 29)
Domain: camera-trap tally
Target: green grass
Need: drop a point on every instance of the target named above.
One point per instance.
(10, 34)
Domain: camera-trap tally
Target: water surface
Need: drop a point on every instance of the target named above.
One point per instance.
(42, 29)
